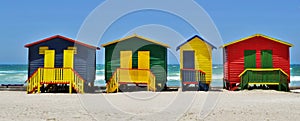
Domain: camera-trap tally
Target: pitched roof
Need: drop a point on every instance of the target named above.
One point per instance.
(196, 36)
(258, 35)
(61, 37)
(136, 36)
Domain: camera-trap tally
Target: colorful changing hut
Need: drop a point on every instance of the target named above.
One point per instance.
(196, 63)
(257, 60)
(60, 64)
(137, 61)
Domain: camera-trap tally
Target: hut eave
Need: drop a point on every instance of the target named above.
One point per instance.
(137, 36)
(257, 35)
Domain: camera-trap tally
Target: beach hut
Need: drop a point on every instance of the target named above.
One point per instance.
(196, 63)
(135, 61)
(257, 60)
(59, 64)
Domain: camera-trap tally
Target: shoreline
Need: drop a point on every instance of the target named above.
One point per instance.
(170, 89)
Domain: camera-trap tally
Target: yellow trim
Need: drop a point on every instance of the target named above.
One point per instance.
(73, 48)
(258, 35)
(42, 49)
(265, 69)
(135, 35)
(265, 83)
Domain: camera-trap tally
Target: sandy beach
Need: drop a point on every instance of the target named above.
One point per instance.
(260, 105)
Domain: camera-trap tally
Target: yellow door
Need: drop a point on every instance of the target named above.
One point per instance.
(49, 60)
(126, 59)
(125, 63)
(68, 63)
(143, 63)
(68, 58)
(143, 60)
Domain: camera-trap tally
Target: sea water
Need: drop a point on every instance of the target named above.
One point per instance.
(17, 74)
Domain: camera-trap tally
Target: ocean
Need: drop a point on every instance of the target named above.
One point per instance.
(17, 74)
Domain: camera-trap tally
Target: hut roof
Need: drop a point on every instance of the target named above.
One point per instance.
(61, 37)
(136, 36)
(196, 36)
(258, 35)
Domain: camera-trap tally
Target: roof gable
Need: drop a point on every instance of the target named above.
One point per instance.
(196, 36)
(61, 37)
(258, 35)
(136, 36)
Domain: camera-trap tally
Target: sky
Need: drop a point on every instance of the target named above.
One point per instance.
(24, 22)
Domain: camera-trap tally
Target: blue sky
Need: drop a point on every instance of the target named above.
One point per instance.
(24, 22)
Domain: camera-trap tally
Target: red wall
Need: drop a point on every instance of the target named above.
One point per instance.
(235, 54)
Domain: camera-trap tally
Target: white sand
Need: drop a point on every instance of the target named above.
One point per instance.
(212, 106)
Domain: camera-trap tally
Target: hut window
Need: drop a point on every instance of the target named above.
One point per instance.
(250, 59)
(42, 49)
(266, 59)
(73, 48)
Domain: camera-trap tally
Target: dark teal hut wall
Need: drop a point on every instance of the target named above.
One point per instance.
(84, 60)
(158, 57)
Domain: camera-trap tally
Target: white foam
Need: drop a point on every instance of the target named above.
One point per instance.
(295, 78)
(99, 70)
(100, 77)
(12, 72)
(217, 76)
(173, 77)
(175, 74)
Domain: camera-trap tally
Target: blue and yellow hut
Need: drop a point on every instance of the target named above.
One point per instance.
(59, 63)
(135, 61)
(196, 63)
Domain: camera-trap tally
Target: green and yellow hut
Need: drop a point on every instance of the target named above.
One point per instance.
(134, 62)
(196, 63)
(60, 64)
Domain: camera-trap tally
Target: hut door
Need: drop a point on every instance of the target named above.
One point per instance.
(250, 59)
(49, 58)
(143, 60)
(68, 58)
(143, 63)
(126, 59)
(189, 59)
(266, 59)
